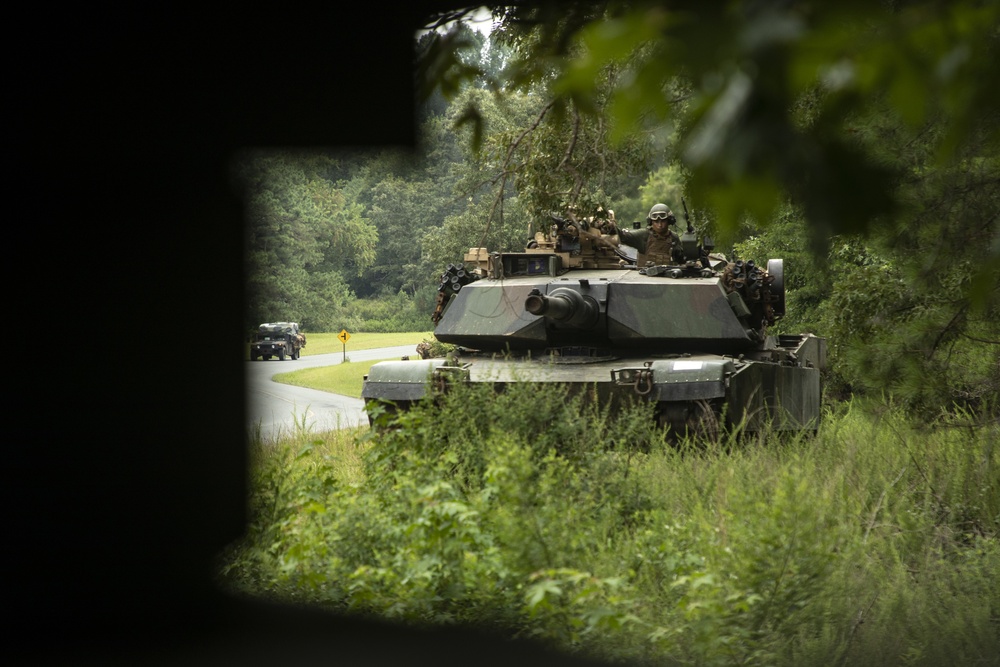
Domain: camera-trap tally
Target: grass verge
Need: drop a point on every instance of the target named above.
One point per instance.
(327, 342)
(345, 378)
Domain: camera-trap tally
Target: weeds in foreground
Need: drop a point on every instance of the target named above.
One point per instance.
(535, 515)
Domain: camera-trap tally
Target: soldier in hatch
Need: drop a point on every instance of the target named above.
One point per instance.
(657, 243)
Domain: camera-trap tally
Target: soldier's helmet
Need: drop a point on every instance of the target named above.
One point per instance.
(661, 212)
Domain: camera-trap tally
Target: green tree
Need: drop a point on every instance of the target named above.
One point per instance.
(899, 304)
(744, 130)
(303, 236)
(402, 211)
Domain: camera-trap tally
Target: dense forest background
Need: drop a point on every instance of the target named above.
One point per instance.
(857, 143)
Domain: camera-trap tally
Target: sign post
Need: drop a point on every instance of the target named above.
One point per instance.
(343, 337)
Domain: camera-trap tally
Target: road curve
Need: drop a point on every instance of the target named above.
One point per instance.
(279, 409)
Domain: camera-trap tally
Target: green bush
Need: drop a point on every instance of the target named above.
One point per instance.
(393, 314)
(534, 513)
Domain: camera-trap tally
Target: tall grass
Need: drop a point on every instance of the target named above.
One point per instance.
(534, 514)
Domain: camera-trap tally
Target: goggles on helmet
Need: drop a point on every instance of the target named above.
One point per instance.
(659, 215)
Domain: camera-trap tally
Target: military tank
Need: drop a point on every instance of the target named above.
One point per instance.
(689, 335)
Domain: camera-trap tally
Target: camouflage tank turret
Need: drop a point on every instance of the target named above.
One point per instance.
(690, 336)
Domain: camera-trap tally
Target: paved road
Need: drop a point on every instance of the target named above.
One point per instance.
(280, 408)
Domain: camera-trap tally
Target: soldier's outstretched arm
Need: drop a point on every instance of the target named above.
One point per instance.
(609, 241)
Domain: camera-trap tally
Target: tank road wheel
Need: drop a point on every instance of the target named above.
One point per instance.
(703, 421)
(694, 419)
(386, 417)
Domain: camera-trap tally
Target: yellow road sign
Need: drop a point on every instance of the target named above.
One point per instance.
(343, 336)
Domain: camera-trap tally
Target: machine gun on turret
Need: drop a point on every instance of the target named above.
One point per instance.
(566, 233)
(693, 251)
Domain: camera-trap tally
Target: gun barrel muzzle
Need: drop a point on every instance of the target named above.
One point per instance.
(564, 305)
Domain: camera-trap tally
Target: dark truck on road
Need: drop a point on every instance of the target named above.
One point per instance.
(277, 339)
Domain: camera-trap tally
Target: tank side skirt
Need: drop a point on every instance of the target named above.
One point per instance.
(782, 397)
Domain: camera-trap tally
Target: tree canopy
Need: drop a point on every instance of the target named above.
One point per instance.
(766, 97)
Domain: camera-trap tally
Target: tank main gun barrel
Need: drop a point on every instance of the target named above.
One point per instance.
(564, 305)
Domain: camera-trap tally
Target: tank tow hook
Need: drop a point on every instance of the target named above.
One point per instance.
(443, 377)
(640, 379)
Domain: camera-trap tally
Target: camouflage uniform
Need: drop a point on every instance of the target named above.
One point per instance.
(652, 247)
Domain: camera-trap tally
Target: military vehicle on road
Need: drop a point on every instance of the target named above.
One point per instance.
(690, 336)
(277, 339)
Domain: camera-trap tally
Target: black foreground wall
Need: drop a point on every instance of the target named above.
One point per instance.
(125, 424)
